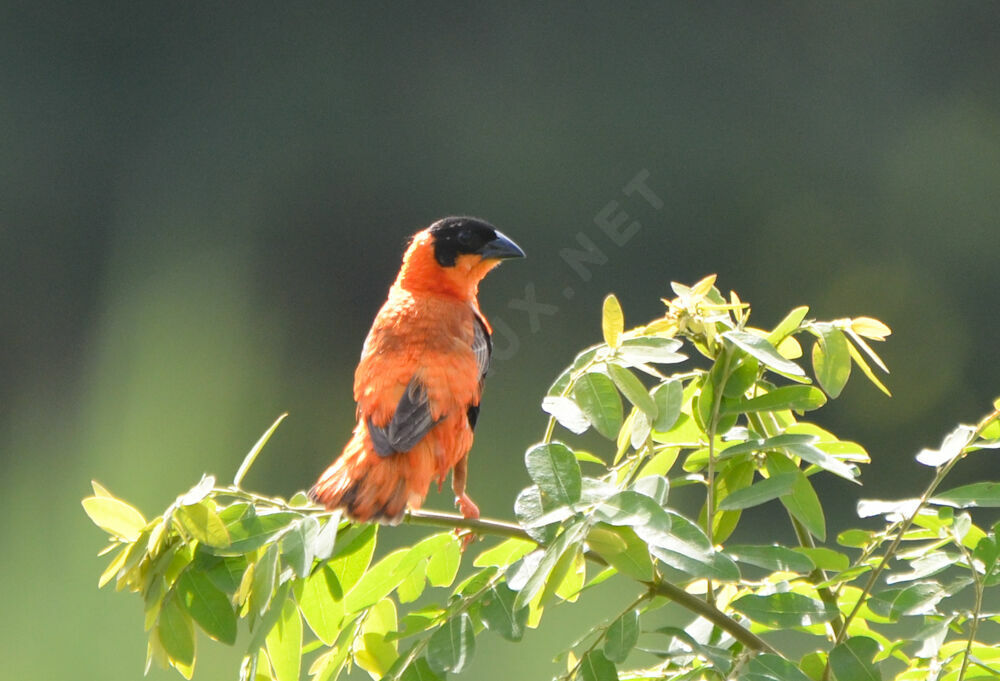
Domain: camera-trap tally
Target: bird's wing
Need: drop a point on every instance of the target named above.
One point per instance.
(410, 422)
(482, 346)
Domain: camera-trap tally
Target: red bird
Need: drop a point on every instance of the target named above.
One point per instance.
(420, 378)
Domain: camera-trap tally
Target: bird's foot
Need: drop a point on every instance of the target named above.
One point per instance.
(469, 511)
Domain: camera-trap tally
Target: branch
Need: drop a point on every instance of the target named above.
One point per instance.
(486, 526)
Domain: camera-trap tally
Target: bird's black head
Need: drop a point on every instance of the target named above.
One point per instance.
(470, 236)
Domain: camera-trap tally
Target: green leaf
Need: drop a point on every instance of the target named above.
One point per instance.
(255, 450)
(622, 636)
(377, 583)
(452, 646)
(633, 508)
(114, 516)
(768, 667)
(802, 502)
(852, 660)
(824, 558)
(743, 376)
(567, 413)
(651, 349)
(377, 654)
(595, 666)
(686, 548)
(669, 398)
(794, 397)
(443, 564)
(612, 321)
(569, 539)
(759, 493)
(765, 352)
(253, 531)
(284, 643)
(656, 487)
(419, 670)
(499, 615)
(264, 575)
(554, 468)
(977, 494)
(774, 558)
(953, 445)
(787, 610)
(597, 396)
(354, 555)
(175, 631)
(322, 605)
(632, 388)
(622, 548)
(207, 605)
(863, 365)
(818, 457)
(831, 358)
(789, 324)
(204, 524)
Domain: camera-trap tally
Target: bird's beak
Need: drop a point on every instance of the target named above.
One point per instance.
(500, 248)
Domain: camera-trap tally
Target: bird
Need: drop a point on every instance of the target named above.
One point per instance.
(420, 379)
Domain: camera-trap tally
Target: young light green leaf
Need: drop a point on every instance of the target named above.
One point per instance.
(852, 660)
(114, 516)
(595, 666)
(669, 398)
(632, 388)
(505, 553)
(759, 493)
(622, 636)
(207, 605)
(352, 557)
(765, 352)
(255, 450)
(499, 615)
(831, 359)
(787, 325)
(977, 494)
(953, 445)
(612, 321)
(443, 563)
(786, 610)
(794, 397)
(284, 643)
(598, 398)
(569, 539)
(377, 583)
(567, 413)
(554, 468)
(204, 524)
(650, 350)
(452, 646)
(863, 365)
(322, 604)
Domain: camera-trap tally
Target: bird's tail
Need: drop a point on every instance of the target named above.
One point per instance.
(369, 487)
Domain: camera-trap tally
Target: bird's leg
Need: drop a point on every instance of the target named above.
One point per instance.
(462, 500)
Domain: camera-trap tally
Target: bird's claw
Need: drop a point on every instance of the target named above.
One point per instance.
(469, 511)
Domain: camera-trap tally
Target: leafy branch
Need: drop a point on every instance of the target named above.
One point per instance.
(315, 591)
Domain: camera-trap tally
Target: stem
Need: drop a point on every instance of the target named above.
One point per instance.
(603, 629)
(713, 425)
(977, 609)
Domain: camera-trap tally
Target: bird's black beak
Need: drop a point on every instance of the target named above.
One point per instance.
(500, 248)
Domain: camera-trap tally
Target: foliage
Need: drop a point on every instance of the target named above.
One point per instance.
(731, 425)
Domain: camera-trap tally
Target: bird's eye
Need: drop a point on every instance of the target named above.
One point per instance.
(466, 238)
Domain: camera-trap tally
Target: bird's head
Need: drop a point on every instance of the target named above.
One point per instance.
(454, 254)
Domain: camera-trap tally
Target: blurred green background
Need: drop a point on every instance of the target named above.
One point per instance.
(202, 206)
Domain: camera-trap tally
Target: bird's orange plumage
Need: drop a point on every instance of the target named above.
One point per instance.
(424, 338)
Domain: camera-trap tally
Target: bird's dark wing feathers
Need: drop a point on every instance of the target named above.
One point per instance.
(410, 422)
(412, 419)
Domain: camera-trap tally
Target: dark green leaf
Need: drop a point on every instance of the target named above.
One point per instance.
(632, 388)
(554, 468)
(419, 670)
(686, 548)
(635, 509)
(794, 397)
(562, 381)
(653, 350)
(208, 606)
(977, 494)
(499, 615)
(451, 647)
(785, 610)
(597, 396)
(759, 493)
(669, 398)
(265, 572)
(852, 660)
(831, 358)
(742, 377)
(596, 667)
(567, 413)
(253, 531)
(774, 558)
(765, 352)
(768, 667)
(622, 636)
(175, 631)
